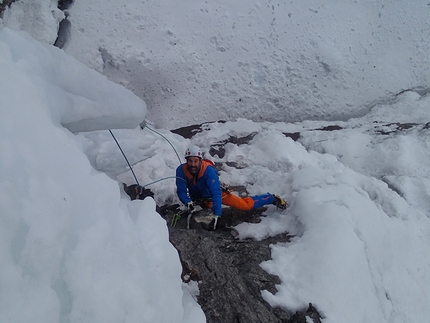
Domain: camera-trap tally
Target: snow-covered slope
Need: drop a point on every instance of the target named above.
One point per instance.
(72, 247)
(262, 60)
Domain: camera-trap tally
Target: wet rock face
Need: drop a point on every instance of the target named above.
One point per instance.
(4, 4)
(228, 269)
(229, 275)
(64, 4)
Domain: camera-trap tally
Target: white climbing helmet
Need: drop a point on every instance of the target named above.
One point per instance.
(193, 151)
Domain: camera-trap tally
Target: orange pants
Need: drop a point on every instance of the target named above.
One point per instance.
(234, 201)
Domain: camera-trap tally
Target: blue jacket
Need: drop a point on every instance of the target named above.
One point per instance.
(204, 185)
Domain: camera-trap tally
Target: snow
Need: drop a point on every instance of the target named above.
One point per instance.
(73, 247)
(268, 60)
(40, 18)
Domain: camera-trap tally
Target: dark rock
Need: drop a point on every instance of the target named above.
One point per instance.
(189, 131)
(228, 270)
(137, 192)
(295, 135)
(218, 148)
(395, 127)
(405, 126)
(310, 313)
(4, 4)
(230, 275)
(64, 4)
(63, 32)
(330, 128)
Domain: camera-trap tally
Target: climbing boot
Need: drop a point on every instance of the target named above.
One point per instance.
(279, 202)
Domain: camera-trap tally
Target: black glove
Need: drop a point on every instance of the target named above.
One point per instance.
(190, 207)
(215, 222)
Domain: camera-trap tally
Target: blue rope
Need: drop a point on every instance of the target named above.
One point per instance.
(131, 168)
(162, 179)
(144, 125)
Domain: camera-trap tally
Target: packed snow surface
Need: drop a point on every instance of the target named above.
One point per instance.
(267, 60)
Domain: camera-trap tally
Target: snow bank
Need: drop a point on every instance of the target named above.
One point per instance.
(40, 19)
(358, 210)
(268, 60)
(72, 246)
(79, 98)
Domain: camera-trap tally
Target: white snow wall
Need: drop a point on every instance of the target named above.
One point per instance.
(71, 249)
(264, 60)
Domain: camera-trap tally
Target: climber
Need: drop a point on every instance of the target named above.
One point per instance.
(197, 183)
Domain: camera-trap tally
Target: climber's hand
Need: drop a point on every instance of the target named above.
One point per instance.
(215, 222)
(190, 206)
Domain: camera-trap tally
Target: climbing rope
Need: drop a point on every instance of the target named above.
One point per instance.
(162, 179)
(144, 125)
(131, 168)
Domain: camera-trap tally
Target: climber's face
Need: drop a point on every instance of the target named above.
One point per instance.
(193, 164)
